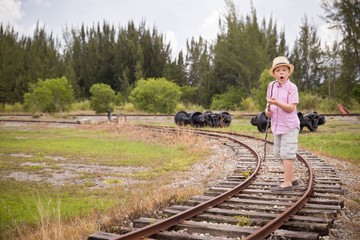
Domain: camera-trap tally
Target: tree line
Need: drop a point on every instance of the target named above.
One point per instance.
(231, 66)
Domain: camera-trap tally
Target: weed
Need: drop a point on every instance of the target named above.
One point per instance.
(89, 184)
(33, 168)
(243, 220)
(246, 174)
(113, 181)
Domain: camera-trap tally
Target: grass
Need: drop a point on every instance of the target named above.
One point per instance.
(337, 138)
(334, 139)
(82, 145)
(41, 208)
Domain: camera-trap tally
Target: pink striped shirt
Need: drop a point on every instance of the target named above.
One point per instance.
(281, 121)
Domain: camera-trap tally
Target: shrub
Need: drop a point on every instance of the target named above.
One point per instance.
(16, 107)
(180, 107)
(354, 105)
(102, 98)
(155, 95)
(308, 101)
(129, 107)
(195, 108)
(51, 95)
(227, 101)
(83, 105)
(119, 101)
(259, 92)
(355, 93)
(248, 105)
(189, 94)
(326, 106)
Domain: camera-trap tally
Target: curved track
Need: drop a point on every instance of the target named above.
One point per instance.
(242, 206)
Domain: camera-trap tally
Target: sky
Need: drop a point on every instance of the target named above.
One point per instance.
(178, 20)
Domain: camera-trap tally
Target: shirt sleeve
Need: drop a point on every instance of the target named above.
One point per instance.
(294, 95)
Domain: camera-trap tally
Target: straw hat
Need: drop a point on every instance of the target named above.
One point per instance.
(281, 61)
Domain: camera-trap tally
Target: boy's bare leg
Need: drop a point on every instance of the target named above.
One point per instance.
(288, 172)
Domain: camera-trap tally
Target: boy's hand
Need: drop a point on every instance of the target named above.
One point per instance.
(267, 112)
(272, 101)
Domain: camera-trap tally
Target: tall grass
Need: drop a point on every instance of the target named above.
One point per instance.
(11, 108)
(81, 106)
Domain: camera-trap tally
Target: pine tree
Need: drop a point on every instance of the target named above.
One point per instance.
(306, 57)
(344, 15)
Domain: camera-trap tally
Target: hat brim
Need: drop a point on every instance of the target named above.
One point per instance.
(289, 65)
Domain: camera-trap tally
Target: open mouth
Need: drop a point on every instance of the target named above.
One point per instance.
(281, 77)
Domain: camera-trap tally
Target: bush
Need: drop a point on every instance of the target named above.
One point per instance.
(51, 95)
(326, 106)
(17, 107)
(259, 92)
(195, 108)
(189, 94)
(155, 95)
(81, 106)
(354, 105)
(248, 105)
(227, 101)
(129, 107)
(102, 98)
(355, 93)
(180, 107)
(308, 101)
(119, 101)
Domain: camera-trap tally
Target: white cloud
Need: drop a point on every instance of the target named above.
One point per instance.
(31, 30)
(170, 37)
(328, 35)
(210, 27)
(10, 11)
(42, 3)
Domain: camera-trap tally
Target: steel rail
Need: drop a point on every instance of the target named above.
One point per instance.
(37, 121)
(277, 222)
(180, 217)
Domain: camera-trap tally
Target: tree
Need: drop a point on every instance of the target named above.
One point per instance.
(332, 69)
(259, 93)
(306, 57)
(155, 95)
(102, 98)
(51, 95)
(243, 50)
(197, 61)
(344, 15)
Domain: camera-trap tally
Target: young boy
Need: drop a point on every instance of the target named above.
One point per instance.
(282, 97)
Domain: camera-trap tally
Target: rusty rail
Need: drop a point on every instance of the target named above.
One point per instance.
(277, 222)
(173, 220)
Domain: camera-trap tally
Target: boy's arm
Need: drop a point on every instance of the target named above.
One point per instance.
(288, 107)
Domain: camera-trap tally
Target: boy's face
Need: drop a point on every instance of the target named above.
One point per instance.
(282, 73)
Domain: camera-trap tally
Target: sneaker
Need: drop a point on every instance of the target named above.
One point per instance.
(278, 188)
(295, 183)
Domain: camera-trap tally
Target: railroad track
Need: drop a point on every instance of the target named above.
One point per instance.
(243, 207)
